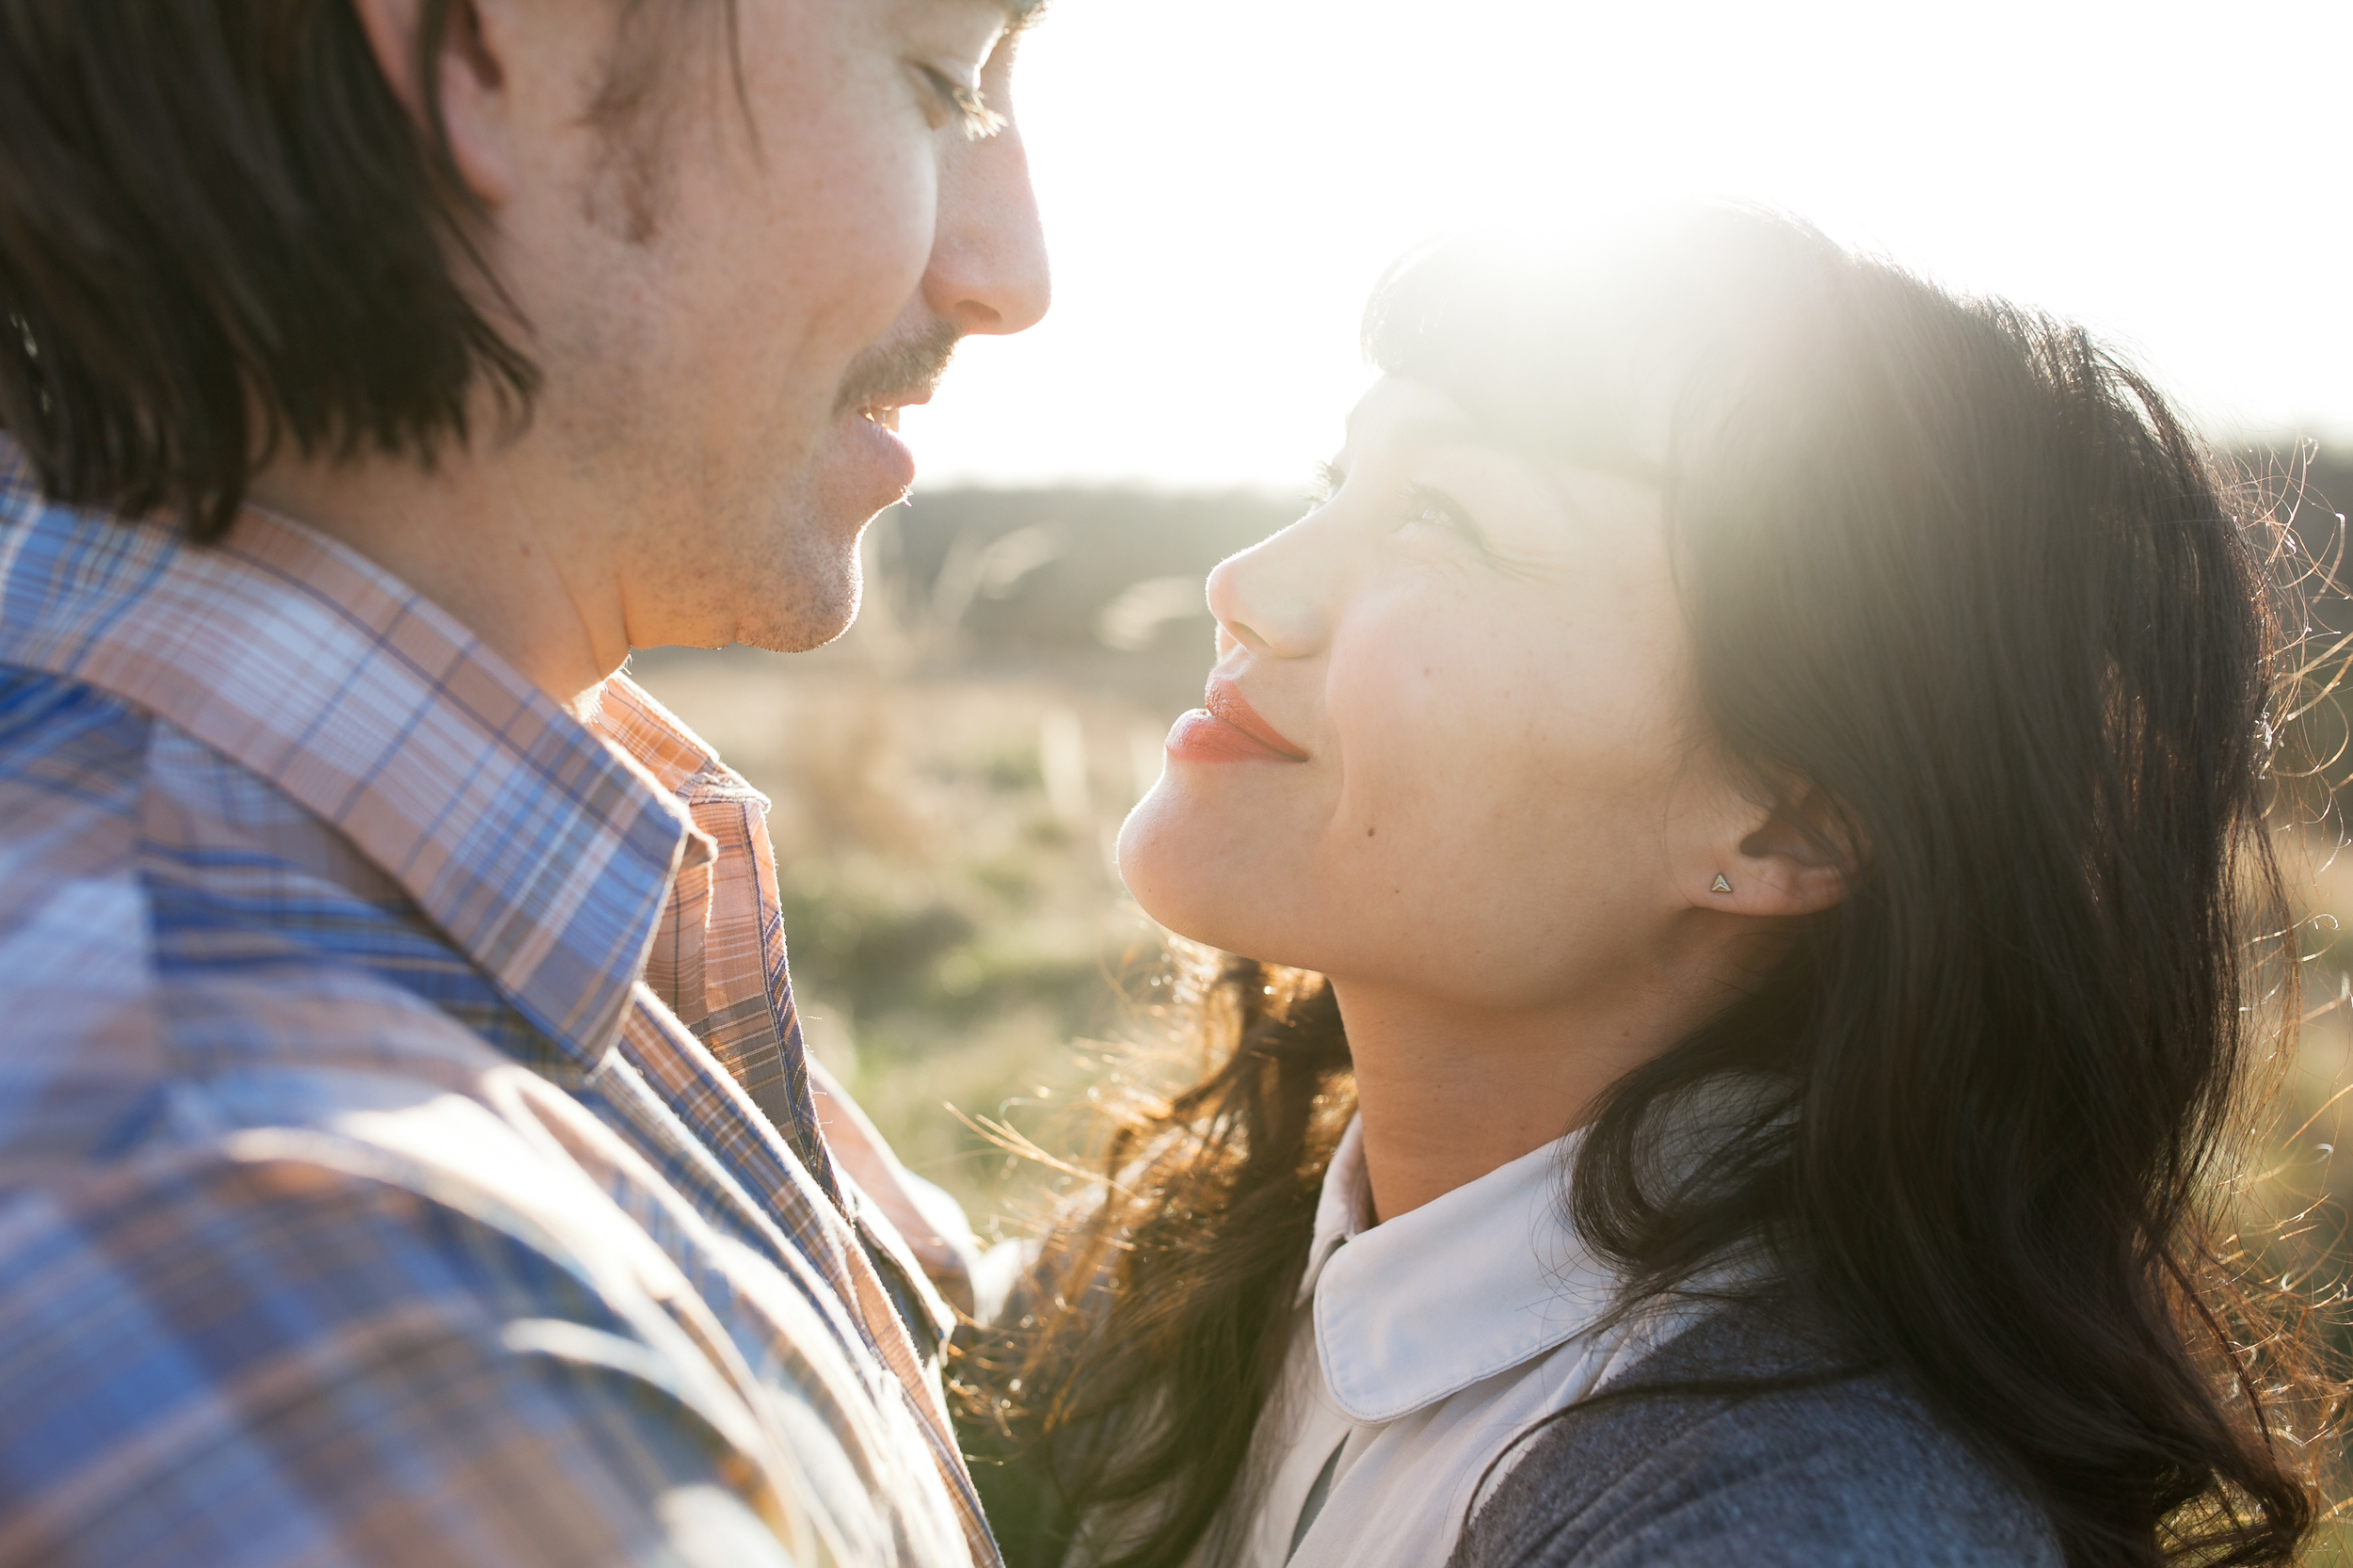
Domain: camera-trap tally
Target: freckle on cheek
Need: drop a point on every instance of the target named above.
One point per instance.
(1370, 831)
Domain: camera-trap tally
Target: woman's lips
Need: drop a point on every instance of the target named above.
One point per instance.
(1229, 730)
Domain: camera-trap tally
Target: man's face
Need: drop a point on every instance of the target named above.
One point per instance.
(730, 313)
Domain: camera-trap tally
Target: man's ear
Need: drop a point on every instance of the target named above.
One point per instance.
(468, 81)
(1797, 857)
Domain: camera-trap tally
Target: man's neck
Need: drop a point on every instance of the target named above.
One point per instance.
(477, 537)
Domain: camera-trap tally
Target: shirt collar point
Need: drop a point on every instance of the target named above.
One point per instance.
(1477, 1282)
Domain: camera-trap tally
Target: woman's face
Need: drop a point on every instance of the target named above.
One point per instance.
(1448, 744)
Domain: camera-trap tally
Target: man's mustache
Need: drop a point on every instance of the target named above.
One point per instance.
(888, 372)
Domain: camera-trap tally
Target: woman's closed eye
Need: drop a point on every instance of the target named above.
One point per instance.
(1435, 508)
(1426, 507)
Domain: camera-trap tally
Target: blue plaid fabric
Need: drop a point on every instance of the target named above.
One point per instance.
(366, 1193)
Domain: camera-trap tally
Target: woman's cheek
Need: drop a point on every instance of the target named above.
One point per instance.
(1402, 671)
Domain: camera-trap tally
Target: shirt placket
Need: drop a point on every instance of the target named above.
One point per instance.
(719, 962)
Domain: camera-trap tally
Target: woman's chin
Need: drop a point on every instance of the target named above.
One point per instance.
(1186, 880)
(1151, 863)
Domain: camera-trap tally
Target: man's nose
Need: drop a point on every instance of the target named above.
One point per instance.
(988, 271)
(1269, 598)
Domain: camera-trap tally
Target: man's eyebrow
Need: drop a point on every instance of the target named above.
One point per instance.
(1020, 15)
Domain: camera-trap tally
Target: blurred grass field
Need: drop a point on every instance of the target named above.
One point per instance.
(948, 778)
(944, 851)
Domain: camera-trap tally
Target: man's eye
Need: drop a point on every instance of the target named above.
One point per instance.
(953, 102)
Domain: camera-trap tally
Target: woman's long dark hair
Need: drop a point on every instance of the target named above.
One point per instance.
(1956, 568)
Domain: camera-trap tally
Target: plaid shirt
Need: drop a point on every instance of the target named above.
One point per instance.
(407, 1152)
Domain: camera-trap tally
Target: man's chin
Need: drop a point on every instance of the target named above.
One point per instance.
(808, 592)
(806, 613)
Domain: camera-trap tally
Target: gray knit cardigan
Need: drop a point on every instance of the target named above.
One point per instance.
(1842, 1473)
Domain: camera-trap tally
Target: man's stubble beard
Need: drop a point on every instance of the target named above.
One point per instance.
(769, 565)
(819, 584)
(807, 587)
(896, 366)
(779, 569)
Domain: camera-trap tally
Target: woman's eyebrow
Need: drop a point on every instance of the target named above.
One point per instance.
(1426, 430)
(1439, 430)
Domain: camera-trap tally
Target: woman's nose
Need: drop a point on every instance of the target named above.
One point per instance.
(1269, 598)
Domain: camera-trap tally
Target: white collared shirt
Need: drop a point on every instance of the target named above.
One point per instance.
(1422, 1347)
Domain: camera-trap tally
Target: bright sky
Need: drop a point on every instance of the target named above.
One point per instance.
(1221, 185)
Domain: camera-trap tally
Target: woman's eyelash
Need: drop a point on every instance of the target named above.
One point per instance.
(1326, 483)
(962, 102)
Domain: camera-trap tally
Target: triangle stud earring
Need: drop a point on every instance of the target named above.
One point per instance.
(1720, 886)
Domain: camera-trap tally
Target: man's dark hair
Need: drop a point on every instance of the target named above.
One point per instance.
(220, 230)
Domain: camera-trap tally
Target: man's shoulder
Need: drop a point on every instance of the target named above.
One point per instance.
(1828, 1464)
(303, 1345)
(167, 916)
(70, 752)
(77, 970)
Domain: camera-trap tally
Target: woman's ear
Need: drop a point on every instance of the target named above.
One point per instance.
(1796, 858)
(470, 81)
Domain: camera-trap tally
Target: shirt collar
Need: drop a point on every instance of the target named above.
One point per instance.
(658, 741)
(1343, 1210)
(1469, 1284)
(541, 851)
